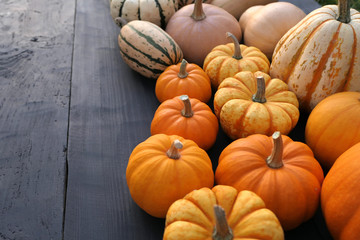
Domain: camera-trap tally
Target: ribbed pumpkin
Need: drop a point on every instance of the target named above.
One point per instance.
(199, 27)
(320, 55)
(250, 103)
(340, 196)
(183, 79)
(147, 49)
(333, 126)
(155, 11)
(189, 118)
(228, 59)
(163, 169)
(221, 213)
(282, 172)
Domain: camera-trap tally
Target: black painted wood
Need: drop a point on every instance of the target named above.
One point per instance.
(36, 40)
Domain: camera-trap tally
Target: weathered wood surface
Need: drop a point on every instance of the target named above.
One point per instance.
(36, 41)
(71, 111)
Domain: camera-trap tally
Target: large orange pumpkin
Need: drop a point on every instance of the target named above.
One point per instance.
(221, 213)
(183, 78)
(163, 169)
(333, 126)
(186, 117)
(250, 103)
(228, 59)
(320, 55)
(340, 196)
(282, 172)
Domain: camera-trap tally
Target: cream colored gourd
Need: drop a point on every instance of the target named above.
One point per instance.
(269, 23)
(244, 18)
(238, 7)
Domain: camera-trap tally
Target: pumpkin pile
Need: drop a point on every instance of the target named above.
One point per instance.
(247, 69)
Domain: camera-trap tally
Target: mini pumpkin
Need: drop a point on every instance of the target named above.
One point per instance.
(163, 169)
(282, 172)
(226, 60)
(333, 126)
(199, 27)
(221, 213)
(340, 195)
(319, 56)
(250, 103)
(189, 118)
(183, 79)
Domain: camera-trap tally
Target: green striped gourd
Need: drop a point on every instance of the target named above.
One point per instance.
(155, 11)
(147, 48)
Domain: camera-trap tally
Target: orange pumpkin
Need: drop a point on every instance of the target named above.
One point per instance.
(340, 195)
(199, 27)
(181, 79)
(163, 169)
(226, 60)
(333, 126)
(221, 213)
(282, 172)
(250, 103)
(189, 118)
(319, 56)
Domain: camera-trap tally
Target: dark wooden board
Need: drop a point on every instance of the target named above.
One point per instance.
(36, 41)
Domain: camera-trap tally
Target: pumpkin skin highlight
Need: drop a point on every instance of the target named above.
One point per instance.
(333, 126)
(193, 216)
(340, 196)
(178, 80)
(319, 56)
(155, 180)
(199, 124)
(240, 115)
(291, 189)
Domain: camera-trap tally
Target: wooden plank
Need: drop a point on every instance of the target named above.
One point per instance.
(35, 71)
(111, 111)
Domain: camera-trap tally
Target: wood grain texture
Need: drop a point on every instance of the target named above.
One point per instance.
(36, 42)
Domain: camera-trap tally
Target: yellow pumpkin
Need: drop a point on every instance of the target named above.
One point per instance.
(221, 213)
(250, 103)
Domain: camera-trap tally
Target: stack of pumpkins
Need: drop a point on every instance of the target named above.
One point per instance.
(290, 62)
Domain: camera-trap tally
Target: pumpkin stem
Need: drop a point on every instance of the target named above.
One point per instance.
(183, 73)
(186, 111)
(344, 11)
(222, 231)
(198, 13)
(275, 159)
(259, 96)
(237, 52)
(173, 151)
(120, 22)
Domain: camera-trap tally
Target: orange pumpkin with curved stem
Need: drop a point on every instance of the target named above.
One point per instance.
(226, 60)
(282, 172)
(163, 169)
(183, 79)
(221, 213)
(189, 118)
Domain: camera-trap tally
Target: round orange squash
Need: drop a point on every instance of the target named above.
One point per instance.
(319, 56)
(199, 27)
(183, 78)
(228, 59)
(221, 213)
(163, 169)
(340, 195)
(250, 103)
(189, 118)
(333, 126)
(282, 172)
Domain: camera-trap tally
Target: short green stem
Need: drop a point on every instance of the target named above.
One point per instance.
(344, 11)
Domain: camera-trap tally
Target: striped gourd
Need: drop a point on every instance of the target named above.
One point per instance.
(320, 55)
(147, 48)
(155, 11)
(186, 2)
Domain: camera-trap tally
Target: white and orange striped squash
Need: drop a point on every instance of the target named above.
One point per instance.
(320, 55)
